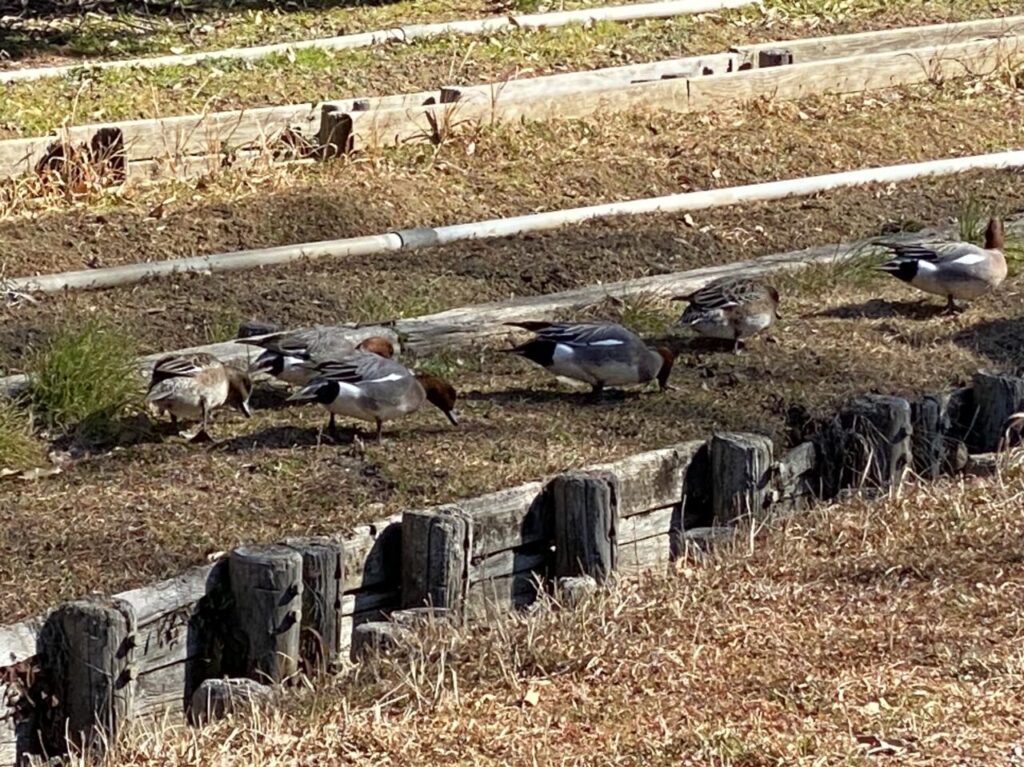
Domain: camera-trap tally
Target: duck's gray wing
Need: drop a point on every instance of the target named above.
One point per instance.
(598, 335)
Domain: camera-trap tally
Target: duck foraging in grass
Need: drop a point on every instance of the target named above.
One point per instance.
(600, 354)
(372, 388)
(192, 386)
(956, 270)
(287, 355)
(731, 308)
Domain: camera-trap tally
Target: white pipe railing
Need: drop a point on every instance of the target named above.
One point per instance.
(408, 239)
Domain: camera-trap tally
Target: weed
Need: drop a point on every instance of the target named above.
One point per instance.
(972, 220)
(19, 449)
(855, 269)
(380, 305)
(645, 313)
(83, 380)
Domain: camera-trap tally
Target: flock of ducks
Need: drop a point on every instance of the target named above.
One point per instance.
(366, 383)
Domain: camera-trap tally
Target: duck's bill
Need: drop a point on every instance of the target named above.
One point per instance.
(453, 417)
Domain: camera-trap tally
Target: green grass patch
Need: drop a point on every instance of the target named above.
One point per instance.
(19, 448)
(84, 380)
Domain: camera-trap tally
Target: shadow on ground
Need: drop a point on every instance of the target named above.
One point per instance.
(1000, 339)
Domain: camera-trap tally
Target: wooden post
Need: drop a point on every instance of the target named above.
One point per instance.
(86, 653)
(323, 576)
(335, 134)
(774, 57)
(868, 445)
(930, 420)
(585, 513)
(435, 557)
(266, 584)
(216, 698)
(450, 94)
(740, 465)
(574, 590)
(996, 397)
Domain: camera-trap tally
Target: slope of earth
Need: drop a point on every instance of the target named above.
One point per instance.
(500, 173)
(868, 633)
(155, 505)
(36, 40)
(38, 107)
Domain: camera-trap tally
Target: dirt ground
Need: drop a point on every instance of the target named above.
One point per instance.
(149, 509)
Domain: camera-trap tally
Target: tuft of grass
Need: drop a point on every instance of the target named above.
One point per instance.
(646, 314)
(972, 220)
(19, 449)
(380, 305)
(84, 380)
(854, 270)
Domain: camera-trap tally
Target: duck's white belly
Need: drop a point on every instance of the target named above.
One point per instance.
(754, 323)
(353, 403)
(184, 398)
(961, 287)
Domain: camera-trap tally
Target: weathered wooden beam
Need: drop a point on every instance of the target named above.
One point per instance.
(647, 554)
(810, 49)
(995, 397)
(651, 480)
(868, 445)
(323, 573)
(373, 555)
(266, 583)
(740, 471)
(435, 557)
(795, 478)
(86, 652)
(584, 508)
(931, 426)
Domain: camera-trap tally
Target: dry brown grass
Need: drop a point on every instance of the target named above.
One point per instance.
(888, 628)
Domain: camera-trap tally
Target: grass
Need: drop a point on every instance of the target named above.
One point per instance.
(884, 630)
(38, 107)
(83, 380)
(19, 448)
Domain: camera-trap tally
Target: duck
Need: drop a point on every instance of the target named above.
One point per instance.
(955, 270)
(372, 388)
(192, 386)
(731, 308)
(286, 354)
(600, 354)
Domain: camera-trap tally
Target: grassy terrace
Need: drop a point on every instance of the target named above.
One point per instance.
(153, 505)
(34, 108)
(217, 25)
(870, 633)
(508, 171)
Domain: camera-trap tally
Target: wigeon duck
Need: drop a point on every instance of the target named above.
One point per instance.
(951, 269)
(192, 386)
(372, 388)
(287, 354)
(731, 308)
(600, 354)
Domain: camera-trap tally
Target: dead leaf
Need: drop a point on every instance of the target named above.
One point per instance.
(532, 698)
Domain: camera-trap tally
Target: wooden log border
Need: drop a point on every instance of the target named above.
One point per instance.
(150, 650)
(189, 145)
